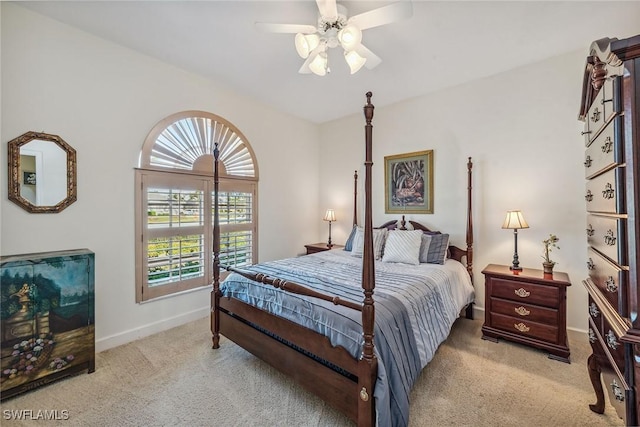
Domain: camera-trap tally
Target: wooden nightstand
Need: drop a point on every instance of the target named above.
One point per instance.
(528, 307)
(319, 247)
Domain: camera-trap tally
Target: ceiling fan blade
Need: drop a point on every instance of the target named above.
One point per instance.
(285, 28)
(328, 8)
(383, 15)
(373, 60)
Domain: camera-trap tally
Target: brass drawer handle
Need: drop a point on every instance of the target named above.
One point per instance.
(522, 293)
(610, 239)
(608, 192)
(617, 392)
(522, 311)
(596, 115)
(612, 343)
(592, 336)
(593, 310)
(610, 284)
(590, 265)
(590, 230)
(521, 327)
(607, 146)
(587, 162)
(589, 196)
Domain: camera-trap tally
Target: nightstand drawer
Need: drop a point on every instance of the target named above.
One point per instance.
(525, 327)
(529, 293)
(526, 312)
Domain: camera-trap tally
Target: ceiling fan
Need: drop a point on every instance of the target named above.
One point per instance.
(335, 29)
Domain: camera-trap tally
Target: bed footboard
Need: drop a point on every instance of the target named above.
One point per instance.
(332, 374)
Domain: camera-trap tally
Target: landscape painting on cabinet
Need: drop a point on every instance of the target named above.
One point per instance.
(47, 320)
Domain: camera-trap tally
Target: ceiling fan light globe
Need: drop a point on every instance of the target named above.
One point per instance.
(354, 60)
(319, 65)
(306, 43)
(350, 37)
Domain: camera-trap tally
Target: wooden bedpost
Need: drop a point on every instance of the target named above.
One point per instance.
(215, 293)
(355, 198)
(368, 369)
(469, 313)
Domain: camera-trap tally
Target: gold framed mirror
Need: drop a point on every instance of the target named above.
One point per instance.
(42, 173)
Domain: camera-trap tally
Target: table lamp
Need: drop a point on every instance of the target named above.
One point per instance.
(329, 216)
(515, 221)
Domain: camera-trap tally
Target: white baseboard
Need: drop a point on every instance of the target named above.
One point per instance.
(478, 312)
(582, 331)
(164, 324)
(150, 329)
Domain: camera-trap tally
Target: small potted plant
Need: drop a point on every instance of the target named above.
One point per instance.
(551, 242)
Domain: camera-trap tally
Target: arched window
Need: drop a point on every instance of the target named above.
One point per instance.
(174, 203)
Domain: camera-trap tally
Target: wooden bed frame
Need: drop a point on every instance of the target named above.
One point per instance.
(299, 352)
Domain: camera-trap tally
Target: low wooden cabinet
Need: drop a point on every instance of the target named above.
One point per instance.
(47, 316)
(528, 307)
(320, 247)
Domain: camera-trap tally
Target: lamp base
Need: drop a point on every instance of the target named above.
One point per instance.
(515, 268)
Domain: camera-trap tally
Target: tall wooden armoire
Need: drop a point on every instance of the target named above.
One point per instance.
(609, 109)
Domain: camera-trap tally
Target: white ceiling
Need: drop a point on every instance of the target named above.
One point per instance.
(442, 45)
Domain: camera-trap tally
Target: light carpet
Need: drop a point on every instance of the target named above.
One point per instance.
(174, 378)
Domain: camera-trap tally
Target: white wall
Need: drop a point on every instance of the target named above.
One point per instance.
(522, 131)
(103, 99)
(520, 127)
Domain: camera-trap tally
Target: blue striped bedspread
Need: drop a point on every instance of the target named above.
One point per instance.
(415, 308)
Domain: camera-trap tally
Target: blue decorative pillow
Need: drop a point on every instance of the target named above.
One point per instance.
(349, 245)
(437, 252)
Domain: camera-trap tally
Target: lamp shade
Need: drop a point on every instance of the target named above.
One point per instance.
(319, 64)
(514, 220)
(354, 60)
(305, 43)
(329, 215)
(350, 37)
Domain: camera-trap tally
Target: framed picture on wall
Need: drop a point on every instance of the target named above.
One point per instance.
(29, 178)
(408, 185)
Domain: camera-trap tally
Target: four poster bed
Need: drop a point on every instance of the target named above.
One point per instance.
(316, 322)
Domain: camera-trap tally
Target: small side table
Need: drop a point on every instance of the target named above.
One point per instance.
(528, 307)
(319, 247)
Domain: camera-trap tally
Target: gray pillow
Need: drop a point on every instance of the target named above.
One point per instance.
(433, 248)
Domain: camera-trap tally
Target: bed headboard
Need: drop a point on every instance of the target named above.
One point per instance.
(454, 252)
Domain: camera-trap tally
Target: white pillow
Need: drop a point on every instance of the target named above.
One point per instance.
(379, 236)
(403, 246)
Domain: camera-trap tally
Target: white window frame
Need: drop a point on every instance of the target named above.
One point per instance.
(199, 178)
